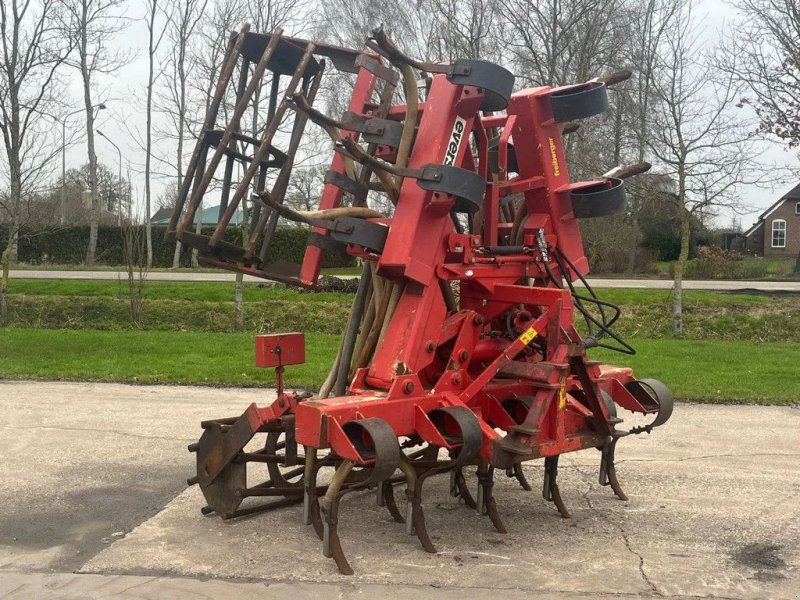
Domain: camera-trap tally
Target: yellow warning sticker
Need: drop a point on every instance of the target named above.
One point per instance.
(562, 395)
(528, 335)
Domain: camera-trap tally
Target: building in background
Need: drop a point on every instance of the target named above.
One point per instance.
(777, 231)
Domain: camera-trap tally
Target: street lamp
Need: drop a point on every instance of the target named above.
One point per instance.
(119, 177)
(100, 106)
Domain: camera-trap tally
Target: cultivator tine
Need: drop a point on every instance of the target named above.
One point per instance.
(386, 491)
(463, 490)
(329, 507)
(415, 517)
(550, 491)
(517, 472)
(486, 502)
(608, 470)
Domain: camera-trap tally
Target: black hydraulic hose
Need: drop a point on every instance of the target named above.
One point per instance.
(604, 327)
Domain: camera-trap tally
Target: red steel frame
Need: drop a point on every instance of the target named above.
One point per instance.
(427, 359)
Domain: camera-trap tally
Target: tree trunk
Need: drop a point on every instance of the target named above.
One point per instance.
(149, 135)
(94, 217)
(797, 264)
(176, 258)
(5, 261)
(680, 265)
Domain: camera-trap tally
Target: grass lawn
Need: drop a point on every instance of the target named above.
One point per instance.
(706, 371)
(166, 290)
(751, 268)
(223, 292)
(152, 357)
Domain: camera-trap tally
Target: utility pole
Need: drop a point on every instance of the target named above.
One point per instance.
(119, 176)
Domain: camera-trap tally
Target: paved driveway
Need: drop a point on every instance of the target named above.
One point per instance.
(93, 482)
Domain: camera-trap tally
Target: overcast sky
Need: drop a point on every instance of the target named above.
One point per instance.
(123, 93)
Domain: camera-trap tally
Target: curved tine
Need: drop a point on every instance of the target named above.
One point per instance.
(486, 503)
(415, 518)
(551, 466)
(463, 489)
(611, 470)
(315, 116)
(614, 483)
(391, 505)
(337, 553)
(316, 518)
(491, 505)
(313, 500)
(329, 506)
(381, 43)
(494, 516)
(559, 502)
(285, 211)
(358, 153)
(520, 475)
(418, 516)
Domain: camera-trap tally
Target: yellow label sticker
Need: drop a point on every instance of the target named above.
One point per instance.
(562, 395)
(528, 335)
(554, 157)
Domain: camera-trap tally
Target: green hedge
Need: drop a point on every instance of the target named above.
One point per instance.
(67, 246)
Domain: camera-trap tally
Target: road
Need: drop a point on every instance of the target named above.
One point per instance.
(94, 506)
(221, 276)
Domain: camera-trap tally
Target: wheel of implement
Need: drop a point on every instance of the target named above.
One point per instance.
(570, 105)
(377, 445)
(661, 395)
(459, 425)
(276, 444)
(496, 82)
(599, 200)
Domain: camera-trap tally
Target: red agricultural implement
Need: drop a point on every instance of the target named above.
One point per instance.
(461, 351)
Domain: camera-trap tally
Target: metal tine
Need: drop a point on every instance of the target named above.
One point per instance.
(266, 141)
(231, 54)
(550, 490)
(233, 126)
(282, 180)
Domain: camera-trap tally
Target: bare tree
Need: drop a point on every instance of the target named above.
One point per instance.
(649, 22)
(705, 144)
(554, 42)
(33, 50)
(92, 24)
(156, 30)
(763, 54)
(207, 55)
(472, 28)
(174, 96)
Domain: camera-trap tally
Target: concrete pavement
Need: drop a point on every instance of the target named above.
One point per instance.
(93, 483)
(221, 276)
